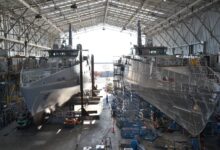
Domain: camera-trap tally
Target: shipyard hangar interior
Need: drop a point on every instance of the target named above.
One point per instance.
(110, 74)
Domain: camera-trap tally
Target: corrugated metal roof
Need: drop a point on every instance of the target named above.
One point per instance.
(121, 13)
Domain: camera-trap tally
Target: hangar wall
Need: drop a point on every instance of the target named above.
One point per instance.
(15, 30)
(202, 27)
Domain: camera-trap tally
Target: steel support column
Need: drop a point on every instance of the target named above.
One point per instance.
(79, 47)
(92, 74)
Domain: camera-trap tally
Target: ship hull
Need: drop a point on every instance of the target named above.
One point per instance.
(189, 100)
(54, 90)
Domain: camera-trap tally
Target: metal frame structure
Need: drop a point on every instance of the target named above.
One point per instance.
(198, 27)
(16, 31)
(38, 22)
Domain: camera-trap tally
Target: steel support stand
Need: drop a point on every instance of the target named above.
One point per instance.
(79, 47)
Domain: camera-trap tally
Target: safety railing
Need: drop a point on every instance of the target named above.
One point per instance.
(213, 74)
(28, 76)
(194, 81)
(197, 78)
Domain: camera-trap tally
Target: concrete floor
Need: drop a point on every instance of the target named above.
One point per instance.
(57, 137)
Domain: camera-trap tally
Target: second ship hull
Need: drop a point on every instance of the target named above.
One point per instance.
(187, 96)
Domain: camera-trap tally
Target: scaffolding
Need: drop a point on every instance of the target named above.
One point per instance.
(10, 99)
(118, 74)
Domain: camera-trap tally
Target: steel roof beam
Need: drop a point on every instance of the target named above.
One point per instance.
(88, 23)
(136, 13)
(174, 15)
(51, 13)
(14, 14)
(179, 19)
(22, 42)
(68, 10)
(75, 22)
(75, 18)
(71, 15)
(37, 12)
(63, 5)
(106, 11)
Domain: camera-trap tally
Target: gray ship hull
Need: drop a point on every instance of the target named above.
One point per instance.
(188, 95)
(54, 90)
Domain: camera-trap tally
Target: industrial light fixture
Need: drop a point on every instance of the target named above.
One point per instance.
(73, 6)
(164, 0)
(38, 16)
